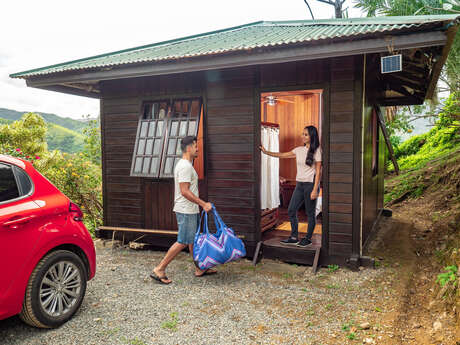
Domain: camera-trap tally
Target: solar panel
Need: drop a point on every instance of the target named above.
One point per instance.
(391, 63)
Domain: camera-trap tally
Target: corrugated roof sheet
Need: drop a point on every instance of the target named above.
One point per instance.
(244, 37)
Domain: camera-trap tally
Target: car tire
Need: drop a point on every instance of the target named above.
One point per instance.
(55, 290)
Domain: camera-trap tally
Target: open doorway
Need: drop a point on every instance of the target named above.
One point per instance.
(283, 117)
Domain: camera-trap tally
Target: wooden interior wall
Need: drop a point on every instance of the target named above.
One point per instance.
(230, 148)
(292, 119)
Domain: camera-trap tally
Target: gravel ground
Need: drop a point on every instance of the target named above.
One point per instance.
(274, 303)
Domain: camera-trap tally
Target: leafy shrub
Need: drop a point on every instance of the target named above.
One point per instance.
(448, 279)
(77, 175)
(79, 179)
(28, 134)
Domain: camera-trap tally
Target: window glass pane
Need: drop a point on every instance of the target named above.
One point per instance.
(154, 165)
(8, 188)
(147, 112)
(183, 129)
(24, 181)
(156, 147)
(159, 128)
(140, 148)
(171, 146)
(173, 131)
(155, 109)
(178, 149)
(152, 129)
(146, 165)
(149, 147)
(138, 165)
(144, 126)
(195, 108)
(191, 127)
(169, 165)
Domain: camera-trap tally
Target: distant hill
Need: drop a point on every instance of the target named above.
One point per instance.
(64, 134)
(63, 139)
(66, 122)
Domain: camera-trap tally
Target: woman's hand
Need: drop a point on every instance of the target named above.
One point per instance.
(263, 149)
(314, 194)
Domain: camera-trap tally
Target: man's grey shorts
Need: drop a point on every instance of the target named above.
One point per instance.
(188, 225)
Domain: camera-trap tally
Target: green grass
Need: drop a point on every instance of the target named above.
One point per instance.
(171, 324)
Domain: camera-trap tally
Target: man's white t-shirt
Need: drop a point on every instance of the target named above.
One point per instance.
(306, 173)
(184, 172)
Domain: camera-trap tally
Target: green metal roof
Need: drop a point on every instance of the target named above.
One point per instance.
(244, 38)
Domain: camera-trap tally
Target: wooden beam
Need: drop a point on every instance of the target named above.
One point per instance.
(146, 231)
(247, 58)
(450, 35)
(395, 78)
(400, 88)
(68, 90)
(396, 101)
(387, 139)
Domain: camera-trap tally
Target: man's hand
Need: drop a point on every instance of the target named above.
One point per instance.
(207, 206)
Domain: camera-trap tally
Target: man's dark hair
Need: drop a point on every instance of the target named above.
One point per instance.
(186, 141)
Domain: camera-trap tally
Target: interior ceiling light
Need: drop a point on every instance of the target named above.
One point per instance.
(271, 100)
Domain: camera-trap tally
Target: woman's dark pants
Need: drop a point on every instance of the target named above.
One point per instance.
(302, 193)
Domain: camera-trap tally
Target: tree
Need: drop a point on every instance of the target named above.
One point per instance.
(27, 135)
(337, 7)
(92, 133)
(451, 71)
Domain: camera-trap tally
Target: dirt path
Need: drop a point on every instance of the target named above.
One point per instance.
(406, 242)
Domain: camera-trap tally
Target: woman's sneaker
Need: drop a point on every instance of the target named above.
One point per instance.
(290, 241)
(304, 243)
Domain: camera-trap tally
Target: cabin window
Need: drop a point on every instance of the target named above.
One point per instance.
(375, 144)
(161, 127)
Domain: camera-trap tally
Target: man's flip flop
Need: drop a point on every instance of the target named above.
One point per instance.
(206, 273)
(153, 275)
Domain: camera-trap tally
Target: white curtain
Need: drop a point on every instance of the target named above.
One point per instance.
(269, 191)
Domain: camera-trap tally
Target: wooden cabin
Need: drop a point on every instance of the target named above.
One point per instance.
(224, 86)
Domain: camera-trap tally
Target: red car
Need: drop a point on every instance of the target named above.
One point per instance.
(46, 252)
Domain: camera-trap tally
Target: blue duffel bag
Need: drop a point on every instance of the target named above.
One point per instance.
(210, 249)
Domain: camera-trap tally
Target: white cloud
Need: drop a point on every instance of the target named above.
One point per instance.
(42, 33)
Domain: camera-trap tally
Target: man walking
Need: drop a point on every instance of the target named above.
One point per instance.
(186, 202)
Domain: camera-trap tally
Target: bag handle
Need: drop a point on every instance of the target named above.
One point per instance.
(205, 223)
(219, 222)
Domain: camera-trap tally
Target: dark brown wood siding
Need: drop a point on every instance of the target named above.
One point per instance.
(344, 111)
(230, 140)
(232, 135)
(373, 185)
(133, 201)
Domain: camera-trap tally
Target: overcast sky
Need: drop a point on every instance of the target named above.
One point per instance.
(40, 33)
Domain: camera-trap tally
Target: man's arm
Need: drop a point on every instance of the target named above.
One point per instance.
(187, 194)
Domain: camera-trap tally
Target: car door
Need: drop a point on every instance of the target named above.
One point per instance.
(18, 231)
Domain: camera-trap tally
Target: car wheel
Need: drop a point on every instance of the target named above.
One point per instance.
(55, 290)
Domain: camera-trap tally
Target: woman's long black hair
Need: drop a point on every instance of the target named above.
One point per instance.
(314, 144)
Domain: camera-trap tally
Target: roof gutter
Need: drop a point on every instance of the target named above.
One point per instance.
(254, 57)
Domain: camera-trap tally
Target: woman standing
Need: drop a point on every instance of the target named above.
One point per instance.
(308, 158)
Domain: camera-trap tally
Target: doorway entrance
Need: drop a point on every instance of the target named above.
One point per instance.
(284, 115)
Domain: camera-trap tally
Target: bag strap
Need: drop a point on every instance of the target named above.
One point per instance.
(217, 219)
(205, 223)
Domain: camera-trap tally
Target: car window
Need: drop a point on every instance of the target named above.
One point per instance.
(8, 188)
(25, 184)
